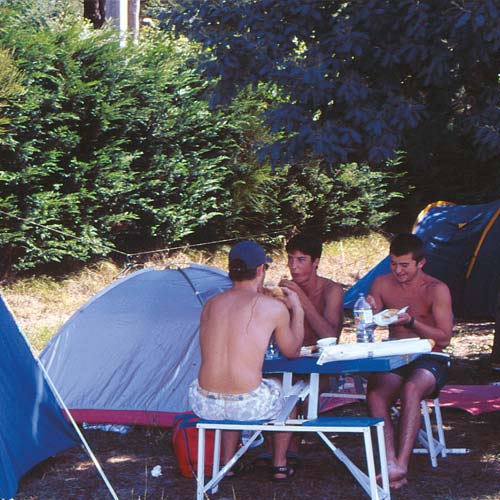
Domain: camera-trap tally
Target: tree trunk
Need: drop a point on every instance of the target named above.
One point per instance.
(94, 10)
(133, 18)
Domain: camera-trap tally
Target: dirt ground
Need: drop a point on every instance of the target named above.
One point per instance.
(128, 459)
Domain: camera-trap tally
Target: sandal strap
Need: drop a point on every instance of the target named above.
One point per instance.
(281, 469)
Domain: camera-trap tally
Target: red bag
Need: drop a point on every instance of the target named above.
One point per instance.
(185, 441)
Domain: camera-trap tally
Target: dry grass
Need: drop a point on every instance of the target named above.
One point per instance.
(43, 304)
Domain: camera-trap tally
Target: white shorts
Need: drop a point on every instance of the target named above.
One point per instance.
(264, 403)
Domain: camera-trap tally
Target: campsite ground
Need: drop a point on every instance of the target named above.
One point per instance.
(42, 304)
(128, 458)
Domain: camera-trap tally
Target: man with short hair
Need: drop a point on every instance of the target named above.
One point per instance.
(321, 298)
(429, 316)
(235, 330)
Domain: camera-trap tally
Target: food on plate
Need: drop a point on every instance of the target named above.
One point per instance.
(311, 348)
(389, 313)
(308, 350)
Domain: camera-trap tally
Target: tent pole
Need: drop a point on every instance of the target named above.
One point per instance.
(186, 277)
(78, 431)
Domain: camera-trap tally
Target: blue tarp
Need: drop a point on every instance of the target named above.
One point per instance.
(462, 249)
(32, 425)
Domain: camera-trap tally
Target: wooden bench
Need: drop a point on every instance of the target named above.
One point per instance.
(321, 426)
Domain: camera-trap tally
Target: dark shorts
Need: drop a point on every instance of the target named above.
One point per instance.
(437, 364)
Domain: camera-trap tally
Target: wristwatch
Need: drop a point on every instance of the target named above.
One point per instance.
(410, 323)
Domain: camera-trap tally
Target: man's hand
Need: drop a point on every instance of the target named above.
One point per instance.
(373, 304)
(403, 319)
(290, 299)
(290, 285)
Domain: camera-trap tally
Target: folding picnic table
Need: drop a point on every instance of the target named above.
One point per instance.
(307, 365)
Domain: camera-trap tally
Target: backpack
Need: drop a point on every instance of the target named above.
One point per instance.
(185, 442)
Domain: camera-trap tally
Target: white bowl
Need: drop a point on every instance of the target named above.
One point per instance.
(326, 341)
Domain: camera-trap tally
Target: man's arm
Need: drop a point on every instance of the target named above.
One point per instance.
(374, 297)
(289, 332)
(328, 324)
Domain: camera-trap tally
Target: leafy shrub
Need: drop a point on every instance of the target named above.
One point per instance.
(115, 150)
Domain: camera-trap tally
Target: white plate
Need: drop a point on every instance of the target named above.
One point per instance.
(380, 320)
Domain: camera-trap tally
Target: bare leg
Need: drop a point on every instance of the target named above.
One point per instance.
(281, 440)
(229, 444)
(382, 392)
(281, 443)
(324, 386)
(420, 384)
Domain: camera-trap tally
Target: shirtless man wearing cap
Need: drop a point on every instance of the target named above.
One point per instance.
(429, 316)
(235, 330)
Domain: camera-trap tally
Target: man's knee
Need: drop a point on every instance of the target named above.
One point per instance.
(376, 401)
(416, 390)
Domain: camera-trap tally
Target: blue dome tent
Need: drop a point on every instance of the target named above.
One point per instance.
(32, 424)
(128, 355)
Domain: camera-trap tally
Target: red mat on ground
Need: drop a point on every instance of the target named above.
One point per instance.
(474, 399)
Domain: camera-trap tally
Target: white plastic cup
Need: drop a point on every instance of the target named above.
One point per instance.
(326, 341)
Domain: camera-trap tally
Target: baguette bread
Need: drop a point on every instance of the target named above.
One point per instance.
(274, 291)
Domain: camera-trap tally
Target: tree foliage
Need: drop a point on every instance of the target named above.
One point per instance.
(364, 79)
(114, 149)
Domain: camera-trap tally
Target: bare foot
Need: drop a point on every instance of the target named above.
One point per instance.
(396, 485)
(395, 472)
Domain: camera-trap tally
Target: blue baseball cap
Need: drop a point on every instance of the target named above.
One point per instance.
(248, 253)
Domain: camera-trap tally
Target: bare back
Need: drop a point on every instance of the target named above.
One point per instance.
(235, 330)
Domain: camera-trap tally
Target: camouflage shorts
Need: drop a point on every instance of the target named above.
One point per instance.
(264, 403)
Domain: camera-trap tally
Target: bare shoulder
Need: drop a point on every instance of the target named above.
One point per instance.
(331, 287)
(269, 303)
(212, 300)
(435, 286)
(383, 281)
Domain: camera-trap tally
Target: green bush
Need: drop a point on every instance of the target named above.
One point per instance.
(115, 150)
(112, 146)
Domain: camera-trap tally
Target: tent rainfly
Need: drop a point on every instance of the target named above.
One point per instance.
(33, 426)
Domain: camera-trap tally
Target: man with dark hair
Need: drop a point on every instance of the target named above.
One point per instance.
(429, 316)
(235, 330)
(321, 298)
(406, 243)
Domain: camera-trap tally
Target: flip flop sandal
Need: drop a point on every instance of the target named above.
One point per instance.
(283, 469)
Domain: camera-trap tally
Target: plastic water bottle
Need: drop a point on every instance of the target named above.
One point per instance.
(272, 351)
(363, 320)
